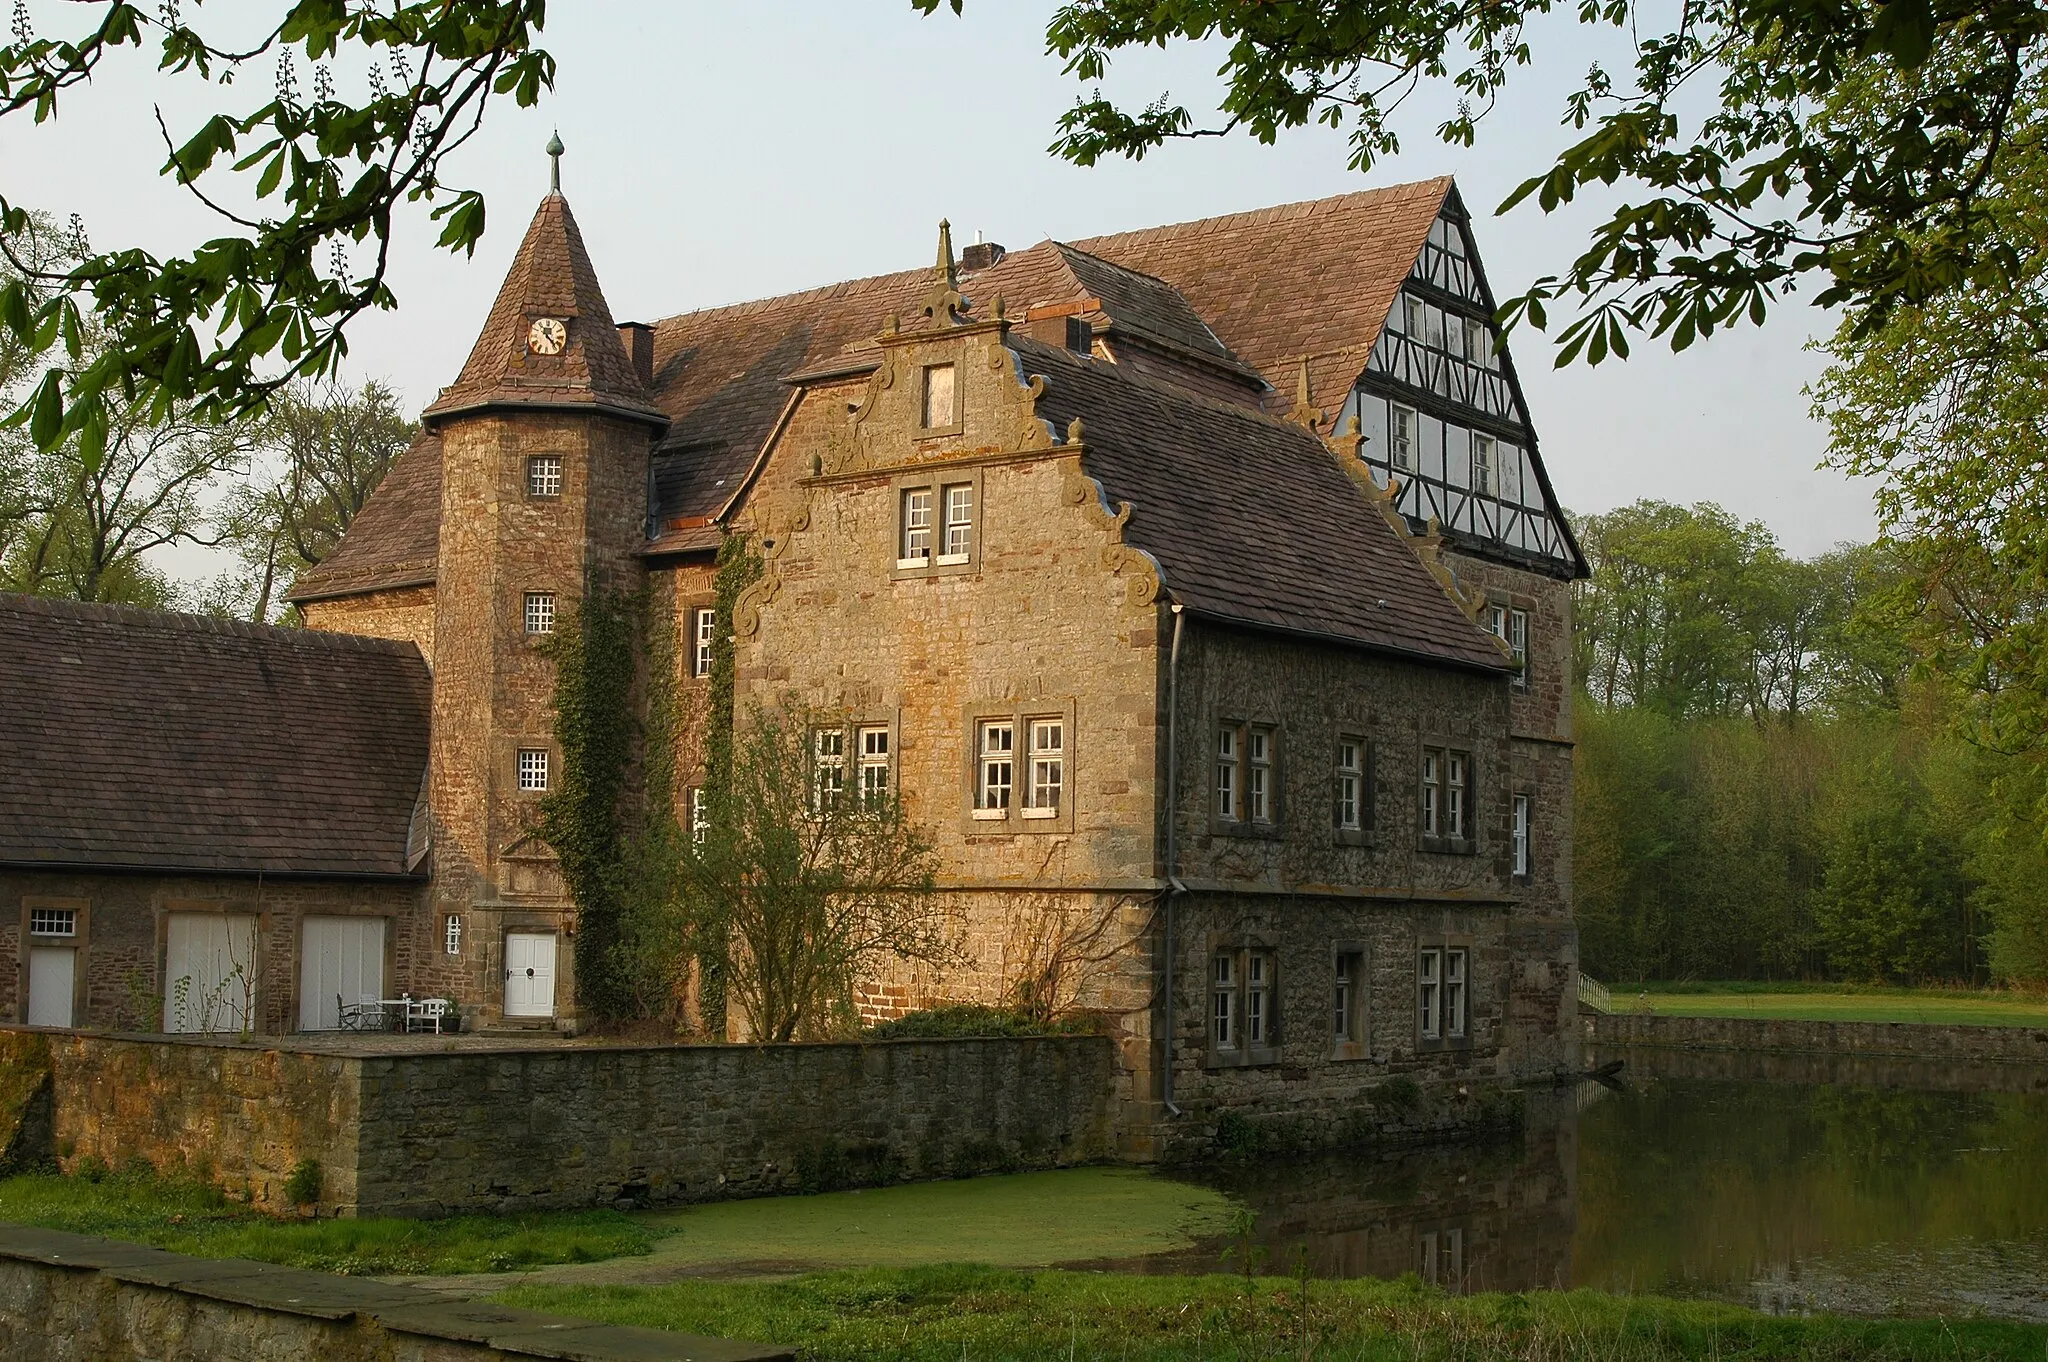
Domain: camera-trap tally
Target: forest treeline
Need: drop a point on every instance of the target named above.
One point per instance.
(1772, 782)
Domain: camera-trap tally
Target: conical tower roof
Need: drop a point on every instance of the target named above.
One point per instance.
(551, 277)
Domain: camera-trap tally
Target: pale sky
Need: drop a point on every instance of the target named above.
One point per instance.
(719, 152)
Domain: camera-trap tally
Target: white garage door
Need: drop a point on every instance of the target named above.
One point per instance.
(341, 960)
(210, 970)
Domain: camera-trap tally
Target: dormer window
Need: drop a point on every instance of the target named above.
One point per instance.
(940, 408)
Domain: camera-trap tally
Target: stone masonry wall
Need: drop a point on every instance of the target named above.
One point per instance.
(74, 1298)
(123, 921)
(401, 1130)
(403, 613)
(241, 1115)
(1977, 1044)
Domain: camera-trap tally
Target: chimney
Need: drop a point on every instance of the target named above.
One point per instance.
(638, 338)
(982, 255)
(1067, 331)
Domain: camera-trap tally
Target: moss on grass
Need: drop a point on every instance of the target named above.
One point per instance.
(939, 1314)
(1021, 1220)
(190, 1216)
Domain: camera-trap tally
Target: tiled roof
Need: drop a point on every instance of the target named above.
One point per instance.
(140, 739)
(551, 276)
(1248, 293)
(1250, 519)
(394, 539)
(1314, 279)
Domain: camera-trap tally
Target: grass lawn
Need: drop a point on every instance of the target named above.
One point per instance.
(190, 1217)
(940, 1314)
(1836, 1002)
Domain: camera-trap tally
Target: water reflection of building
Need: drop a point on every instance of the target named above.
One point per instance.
(1491, 1217)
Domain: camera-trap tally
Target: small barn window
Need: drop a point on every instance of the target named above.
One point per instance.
(53, 922)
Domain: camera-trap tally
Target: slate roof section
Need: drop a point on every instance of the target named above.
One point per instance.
(1314, 279)
(551, 276)
(1251, 519)
(140, 739)
(394, 540)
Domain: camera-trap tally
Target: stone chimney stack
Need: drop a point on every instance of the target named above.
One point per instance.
(638, 338)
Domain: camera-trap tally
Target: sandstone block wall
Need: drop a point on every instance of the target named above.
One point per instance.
(400, 1130)
(405, 612)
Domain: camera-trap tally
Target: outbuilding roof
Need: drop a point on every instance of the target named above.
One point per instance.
(146, 740)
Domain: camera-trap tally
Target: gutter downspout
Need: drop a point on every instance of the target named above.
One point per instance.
(1174, 888)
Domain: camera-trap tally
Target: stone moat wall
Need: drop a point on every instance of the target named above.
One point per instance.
(437, 1131)
(1912, 1040)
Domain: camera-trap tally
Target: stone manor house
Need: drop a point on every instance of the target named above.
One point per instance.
(1199, 589)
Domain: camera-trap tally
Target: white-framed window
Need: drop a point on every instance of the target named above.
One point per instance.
(956, 544)
(533, 768)
(1048, 768)
(1258, 775)
(1223, 1000)
(1416, 322)
(1485, 465)
(698, 801)
(1478, 344)
(1347, 1001)
(941, 408)
(451, 933)
(1454, 994)
(1523, 805)
(1432, 792)
(1446, 792)
(996, 752)
(53, 922)
(1348, 803)
(1518, 646)
(1454, 793)
(1258, 998)
(916, 547)
(544, 475)
(828, 766)
(1401, 436)
(540, 612)
(1429, 993)
(703, 629)
(874, 765)
(1226, 772)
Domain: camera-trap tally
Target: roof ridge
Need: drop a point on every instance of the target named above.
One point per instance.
(185, 621)
(819, 291)
(1406, 189)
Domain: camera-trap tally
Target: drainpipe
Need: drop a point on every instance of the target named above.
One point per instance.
(1174, 888)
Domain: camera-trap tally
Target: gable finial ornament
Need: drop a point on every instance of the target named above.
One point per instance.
(555, 150)
(945, 302)
(1304, 412)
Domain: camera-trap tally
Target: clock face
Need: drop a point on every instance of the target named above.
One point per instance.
(547, 336)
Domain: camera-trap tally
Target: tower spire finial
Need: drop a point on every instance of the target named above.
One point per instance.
(555, 150)
(944, 303)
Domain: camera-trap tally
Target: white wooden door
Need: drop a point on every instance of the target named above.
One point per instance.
(529, 974)
(341, 960)
(210, 970)
(52, 977)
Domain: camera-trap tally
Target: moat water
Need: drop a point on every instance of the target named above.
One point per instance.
(1789, 1185)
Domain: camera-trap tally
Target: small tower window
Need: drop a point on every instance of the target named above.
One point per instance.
(533, 768)
(540, 612)
(939, 405)
(544, 475)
